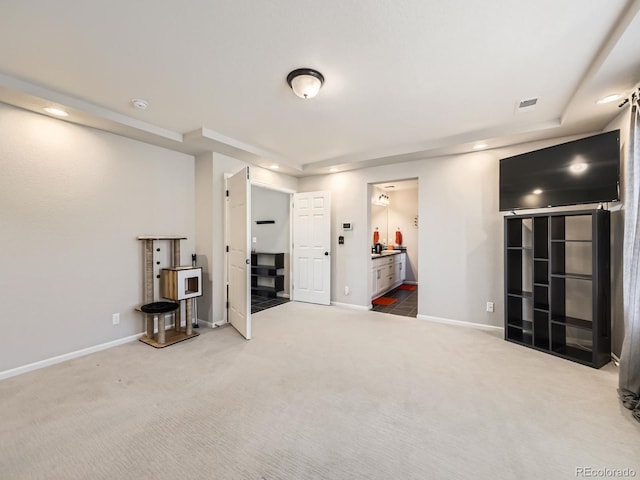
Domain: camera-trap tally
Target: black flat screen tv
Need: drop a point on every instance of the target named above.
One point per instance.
(573, 173)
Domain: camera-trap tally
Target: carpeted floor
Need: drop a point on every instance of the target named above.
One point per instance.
(319, 393)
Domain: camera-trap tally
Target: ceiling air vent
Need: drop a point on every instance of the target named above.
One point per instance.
(526, 105)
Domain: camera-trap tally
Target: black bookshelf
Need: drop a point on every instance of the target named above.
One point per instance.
(267, 279)
(557, 284)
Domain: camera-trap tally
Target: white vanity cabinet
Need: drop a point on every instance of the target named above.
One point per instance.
(387, 272)
(399, 268)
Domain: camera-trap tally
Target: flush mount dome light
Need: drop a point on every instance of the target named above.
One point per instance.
(305, 82)
(537, 191)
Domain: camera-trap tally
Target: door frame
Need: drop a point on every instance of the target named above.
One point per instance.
(369, 191)
(252, 183)
(290, 192)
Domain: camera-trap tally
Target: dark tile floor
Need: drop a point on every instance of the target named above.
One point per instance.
(405, 305)
(259, 303)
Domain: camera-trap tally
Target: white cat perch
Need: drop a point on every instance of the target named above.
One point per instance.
(177, 283)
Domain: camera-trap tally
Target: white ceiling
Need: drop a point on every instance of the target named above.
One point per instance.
(405, 79)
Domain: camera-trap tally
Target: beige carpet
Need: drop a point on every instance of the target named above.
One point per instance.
(319, 393)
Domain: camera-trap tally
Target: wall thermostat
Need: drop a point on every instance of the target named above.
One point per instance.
(347, 226)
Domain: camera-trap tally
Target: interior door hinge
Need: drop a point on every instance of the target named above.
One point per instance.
(227, 248)
(227, 305)
(227, 193)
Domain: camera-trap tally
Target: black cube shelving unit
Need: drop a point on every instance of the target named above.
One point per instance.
(267, 279)
(557, 284)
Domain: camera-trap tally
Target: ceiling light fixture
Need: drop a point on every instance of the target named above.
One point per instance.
(537, 191)
(274, 167)
(58, 112)
(609, 98)
(305, 82)
(333, 169)
(480, 146)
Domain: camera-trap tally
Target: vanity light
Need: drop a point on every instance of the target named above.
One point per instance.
(58, 112)
(383, 199)
(305, 82)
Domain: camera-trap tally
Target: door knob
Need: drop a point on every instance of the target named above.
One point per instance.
(326, 253)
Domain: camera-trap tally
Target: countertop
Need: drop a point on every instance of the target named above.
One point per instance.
(386, 253)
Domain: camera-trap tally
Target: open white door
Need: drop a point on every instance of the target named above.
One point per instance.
(238, 224)
(311, 247)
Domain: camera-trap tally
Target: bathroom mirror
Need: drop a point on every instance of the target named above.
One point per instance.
(380, 220)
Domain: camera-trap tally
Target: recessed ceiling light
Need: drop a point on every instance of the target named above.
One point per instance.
(480, 146)
(610, 98)
(333, 169)
(139, 103)
(56, 111)
(537, 191)
(274, 167)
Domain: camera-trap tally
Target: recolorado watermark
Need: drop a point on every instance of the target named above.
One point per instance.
(605, 472)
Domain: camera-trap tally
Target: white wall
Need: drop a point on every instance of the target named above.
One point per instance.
(269, 204)
(460, 264)
(72, 202)
(211, 169)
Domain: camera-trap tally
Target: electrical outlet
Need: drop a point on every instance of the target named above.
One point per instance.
(490, 307)
(115, 318)
(346, 290)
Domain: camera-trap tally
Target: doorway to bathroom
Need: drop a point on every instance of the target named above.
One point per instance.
(394, 241)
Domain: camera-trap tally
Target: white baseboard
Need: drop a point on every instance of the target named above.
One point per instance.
(67, 356)
(410, 282)
(212, 325)
(459, 323)
(352, 306)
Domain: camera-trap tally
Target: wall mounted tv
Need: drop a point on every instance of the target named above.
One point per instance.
(582, 171)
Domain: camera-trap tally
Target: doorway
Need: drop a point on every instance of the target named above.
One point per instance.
(270, 247)
(393, 213)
